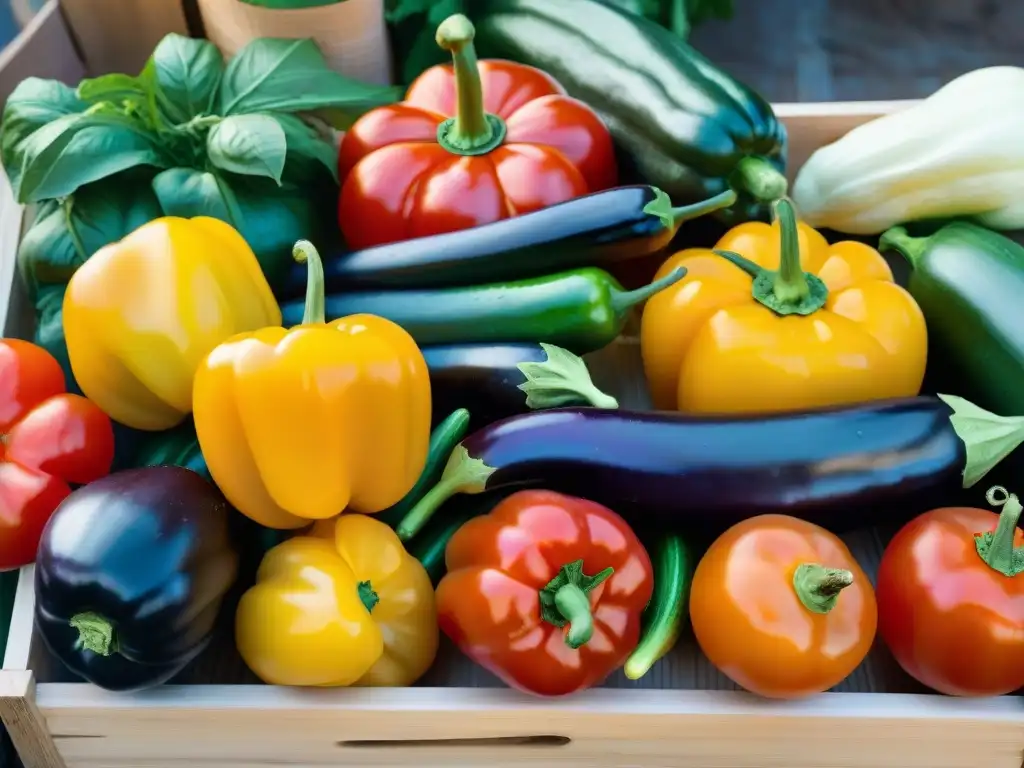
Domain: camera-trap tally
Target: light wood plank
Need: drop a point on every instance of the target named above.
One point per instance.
(25, 723)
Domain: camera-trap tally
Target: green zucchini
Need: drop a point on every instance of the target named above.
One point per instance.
(684, 125)
(663, 619)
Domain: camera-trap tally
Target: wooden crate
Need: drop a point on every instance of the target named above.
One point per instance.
(683, 715)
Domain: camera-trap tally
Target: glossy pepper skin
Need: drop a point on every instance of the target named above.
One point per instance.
(142, 313)
(344, 605)
(829, 327)
(951, 598)
(516, 144)
(546, 591)
(298, 425)
(131, 574)
(49, 440)
(782, 608)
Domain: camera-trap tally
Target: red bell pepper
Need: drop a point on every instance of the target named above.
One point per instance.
(546, 592)
(48, 439)
(517, 143)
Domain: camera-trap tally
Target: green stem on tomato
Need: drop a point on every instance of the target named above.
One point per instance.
(566, 600)
(306, 253)
(788, 290)
(472, 131)
(998, 548)
(818, 587)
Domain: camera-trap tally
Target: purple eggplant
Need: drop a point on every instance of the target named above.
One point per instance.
(131, 573)
(842, 468)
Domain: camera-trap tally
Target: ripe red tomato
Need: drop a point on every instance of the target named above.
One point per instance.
(951, 598)
(781, 607)
(48, 439)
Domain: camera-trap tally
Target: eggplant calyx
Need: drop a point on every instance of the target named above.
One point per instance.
(462, 474)
(562, 379)
(997, 547)
(368, 596)
(95, 633)
(987, 437)
(672, 217)
(566, 600)
(818, 587)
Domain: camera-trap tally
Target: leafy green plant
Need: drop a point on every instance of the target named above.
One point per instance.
(188, 136)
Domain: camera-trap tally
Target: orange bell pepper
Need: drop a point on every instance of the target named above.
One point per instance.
(298, 425)
(776, 319)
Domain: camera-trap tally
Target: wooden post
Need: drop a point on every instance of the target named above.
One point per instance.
(119, 35)
(25, 723)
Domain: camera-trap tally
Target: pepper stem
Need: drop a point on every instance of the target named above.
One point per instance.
(368, 597)
(622, 301)
(462, 474)
(898, 239)
(997, 548)
(818, 587)
(472, 131)
(95, 632)
(790, 290)
(566, 600)
(306, 253)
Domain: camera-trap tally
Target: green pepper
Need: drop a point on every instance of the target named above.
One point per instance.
(443, 440)
(581, 310)
(663, 619)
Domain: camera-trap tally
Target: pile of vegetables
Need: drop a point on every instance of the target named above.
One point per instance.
(407, 424)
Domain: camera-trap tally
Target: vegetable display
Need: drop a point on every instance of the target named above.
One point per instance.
(582, 310)
(514, 144)
(345, 605)
(813, 324)
(195, 283)
(130, 575)
(782, 608)
(578, 599)
(705, 473)
(286, 451)
(342, 460)
(48, 440)
(951, 598)
(684, 125)
(600, 229)
(952, 154)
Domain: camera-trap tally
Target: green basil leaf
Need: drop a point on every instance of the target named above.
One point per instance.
(33, 104)
(277, 75)
(270, 217)
(75, 150)
(67, 232)
(187, 72)
(309, 152)
(253, 145)
(114, 87)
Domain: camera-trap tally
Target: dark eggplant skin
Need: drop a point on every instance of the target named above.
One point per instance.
(149, 549)
(596, 230)
(483, 378)
(842, 468)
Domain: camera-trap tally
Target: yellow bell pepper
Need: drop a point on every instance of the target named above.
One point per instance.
(142, 313)
(748, 330)
(345, 605)
(298, 425)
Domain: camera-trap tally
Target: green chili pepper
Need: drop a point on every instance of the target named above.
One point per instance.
(664, 616)
(443, 440)
(581, 310)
